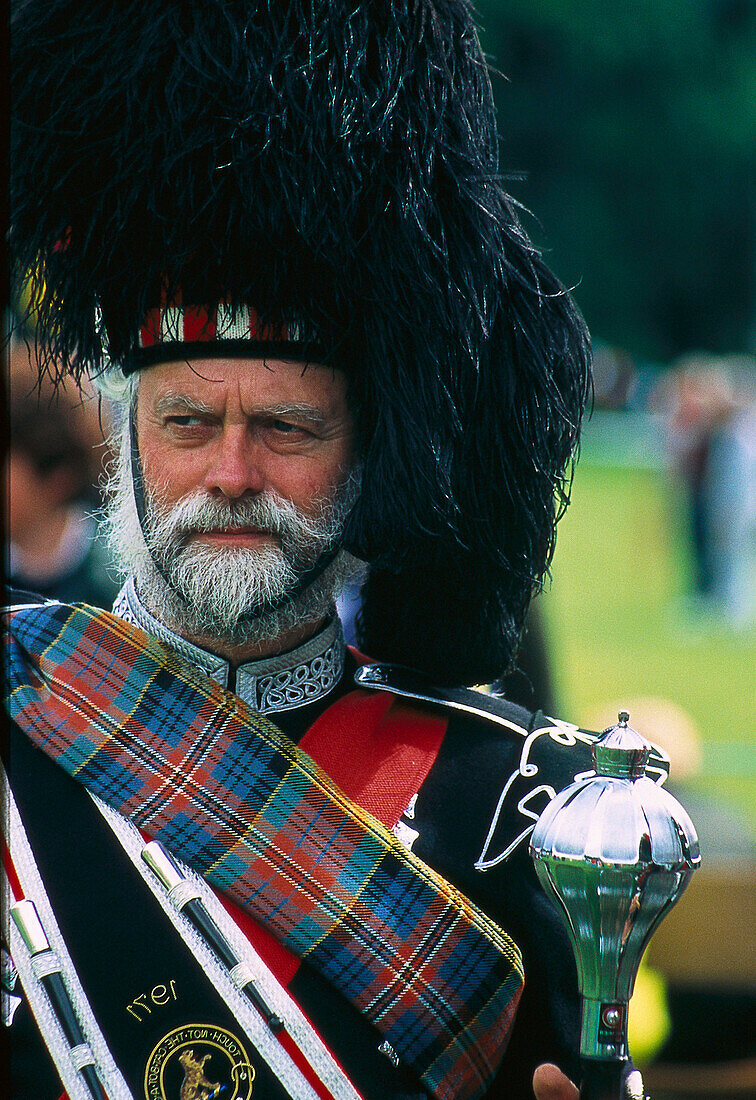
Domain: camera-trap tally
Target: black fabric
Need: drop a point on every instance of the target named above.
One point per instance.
(28, 1071)
(168, 351)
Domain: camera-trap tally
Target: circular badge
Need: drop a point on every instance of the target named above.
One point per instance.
(198, 1062)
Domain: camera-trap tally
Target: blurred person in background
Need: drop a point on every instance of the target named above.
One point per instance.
(711, 413)
(53, 546)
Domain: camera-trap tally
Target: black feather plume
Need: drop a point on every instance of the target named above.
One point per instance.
(332, 162)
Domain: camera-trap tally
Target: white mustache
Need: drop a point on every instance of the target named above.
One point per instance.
(269, 512)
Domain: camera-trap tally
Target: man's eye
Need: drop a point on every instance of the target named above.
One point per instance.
(285, 427)
(187, 421)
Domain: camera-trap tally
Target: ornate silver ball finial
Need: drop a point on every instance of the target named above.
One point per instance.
(614, 851)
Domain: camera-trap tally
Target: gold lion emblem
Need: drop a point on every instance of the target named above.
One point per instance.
(175, 1069)
(195, 1085)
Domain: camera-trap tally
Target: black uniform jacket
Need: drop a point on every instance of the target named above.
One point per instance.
(470, 821)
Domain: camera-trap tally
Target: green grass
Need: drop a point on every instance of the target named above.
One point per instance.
(618, 622)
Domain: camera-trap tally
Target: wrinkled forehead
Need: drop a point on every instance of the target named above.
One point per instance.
(248, 381)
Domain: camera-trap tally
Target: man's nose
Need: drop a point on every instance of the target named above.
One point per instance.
(236, 469)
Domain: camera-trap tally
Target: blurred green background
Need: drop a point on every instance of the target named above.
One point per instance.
(619, 624)
(632, 127)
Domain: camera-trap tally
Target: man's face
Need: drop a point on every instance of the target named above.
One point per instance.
(246, 471)
(236, 428)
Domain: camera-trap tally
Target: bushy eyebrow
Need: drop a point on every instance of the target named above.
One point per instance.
(182, 403)
(298, 412)
(173, 402)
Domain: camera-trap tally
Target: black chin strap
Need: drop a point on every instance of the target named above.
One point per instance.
(307, 578)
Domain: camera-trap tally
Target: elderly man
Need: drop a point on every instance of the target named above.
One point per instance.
(244, 860)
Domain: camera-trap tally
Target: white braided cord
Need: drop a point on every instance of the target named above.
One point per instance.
(39, 1002)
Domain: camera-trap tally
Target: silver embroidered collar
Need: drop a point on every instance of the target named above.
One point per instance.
(272, 684)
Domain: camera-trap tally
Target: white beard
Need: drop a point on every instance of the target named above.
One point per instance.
(234, 594)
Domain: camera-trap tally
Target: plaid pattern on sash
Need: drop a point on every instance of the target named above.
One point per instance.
(224, 789)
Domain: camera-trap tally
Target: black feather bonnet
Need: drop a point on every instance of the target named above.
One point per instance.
(335, 163)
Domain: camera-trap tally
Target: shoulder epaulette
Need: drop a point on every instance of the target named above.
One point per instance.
(410, 684)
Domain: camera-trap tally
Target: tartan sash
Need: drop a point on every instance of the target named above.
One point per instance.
(219, 785)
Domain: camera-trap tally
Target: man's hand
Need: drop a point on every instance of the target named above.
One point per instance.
(549, 1083)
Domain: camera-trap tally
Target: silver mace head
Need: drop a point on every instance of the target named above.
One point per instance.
(615, 851)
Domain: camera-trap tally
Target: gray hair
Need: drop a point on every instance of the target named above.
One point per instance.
(117, 388)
